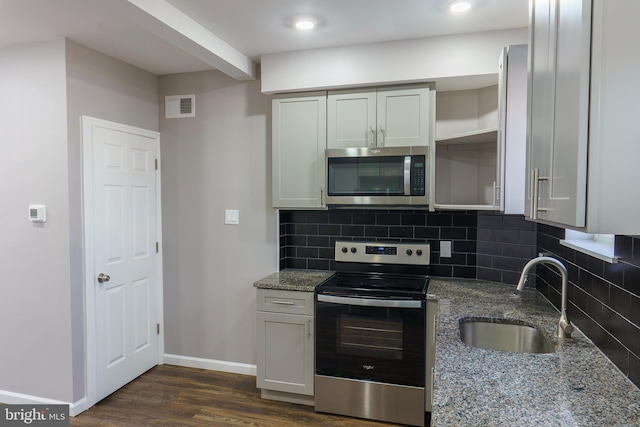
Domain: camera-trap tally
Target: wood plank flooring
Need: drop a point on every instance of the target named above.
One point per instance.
(176, 396)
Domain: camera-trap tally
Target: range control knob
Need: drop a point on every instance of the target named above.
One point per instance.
(409, 252)
(353, 250)
(344, 249)
(419, 252)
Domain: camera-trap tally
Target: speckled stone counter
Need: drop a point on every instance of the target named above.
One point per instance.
(574, 386)
(294, 280)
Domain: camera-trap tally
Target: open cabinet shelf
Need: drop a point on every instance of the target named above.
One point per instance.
(466, 146)
(472, 137)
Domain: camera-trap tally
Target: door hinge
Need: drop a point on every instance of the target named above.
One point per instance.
(158, 328)
(157, 247)
(156, 164)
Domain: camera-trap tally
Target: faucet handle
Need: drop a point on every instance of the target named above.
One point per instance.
(565, 328)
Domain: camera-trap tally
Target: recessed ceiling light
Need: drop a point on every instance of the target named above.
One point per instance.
(305, 24)
(459, 6)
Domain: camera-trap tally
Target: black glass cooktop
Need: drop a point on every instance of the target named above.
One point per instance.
(376, 285)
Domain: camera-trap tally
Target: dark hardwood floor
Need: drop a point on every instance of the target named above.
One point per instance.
(176, 396)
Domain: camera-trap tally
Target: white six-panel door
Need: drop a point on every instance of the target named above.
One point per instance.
(125, 260)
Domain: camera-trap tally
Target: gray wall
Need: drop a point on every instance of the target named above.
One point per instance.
(220, 159)
(35, 335)
(48, 87)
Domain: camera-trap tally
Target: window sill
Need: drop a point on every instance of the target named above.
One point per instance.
(593, 248)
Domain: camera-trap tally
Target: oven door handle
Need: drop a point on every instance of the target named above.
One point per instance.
(369, 302)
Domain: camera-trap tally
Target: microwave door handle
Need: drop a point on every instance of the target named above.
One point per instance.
(369, 302)
(407, 175)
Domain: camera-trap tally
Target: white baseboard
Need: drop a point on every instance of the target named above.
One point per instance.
(211, 364)
(11, 398)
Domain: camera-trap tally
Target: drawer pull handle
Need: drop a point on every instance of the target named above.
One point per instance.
(283, 302)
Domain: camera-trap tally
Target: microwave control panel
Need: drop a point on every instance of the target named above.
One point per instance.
(418, 168)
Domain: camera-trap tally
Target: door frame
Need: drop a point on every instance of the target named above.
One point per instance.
(88, 242)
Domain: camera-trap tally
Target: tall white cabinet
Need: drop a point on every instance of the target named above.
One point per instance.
(385, 117)
(582, 153)
(299, 138)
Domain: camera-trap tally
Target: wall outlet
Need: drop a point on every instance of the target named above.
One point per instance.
(445, 249)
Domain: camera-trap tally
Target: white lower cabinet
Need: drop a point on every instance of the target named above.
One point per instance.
(285, 365)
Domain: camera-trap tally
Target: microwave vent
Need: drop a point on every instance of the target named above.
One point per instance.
(179, 106)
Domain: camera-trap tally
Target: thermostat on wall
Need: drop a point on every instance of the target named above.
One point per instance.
(37, 213)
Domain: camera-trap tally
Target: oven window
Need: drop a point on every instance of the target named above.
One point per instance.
(371, 343)
(367, 336)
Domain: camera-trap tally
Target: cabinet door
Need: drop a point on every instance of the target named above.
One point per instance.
(540, 95)
(567, 183)
(298, 144)
(512, 130)
(403, 117)
(559, 97)
(285, 353)
(351, 119)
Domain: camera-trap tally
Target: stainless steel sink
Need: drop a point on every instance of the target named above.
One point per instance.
(504, 335)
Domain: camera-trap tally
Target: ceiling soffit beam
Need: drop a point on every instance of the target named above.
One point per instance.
(175, 27)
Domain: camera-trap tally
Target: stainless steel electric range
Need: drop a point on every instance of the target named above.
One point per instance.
(375, 334)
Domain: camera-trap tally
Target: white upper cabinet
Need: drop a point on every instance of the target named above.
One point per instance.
(466, 165)
(394, 117)
(582, 133)
(512, 129)
(481, 141)
(351, 119)
(298, 142)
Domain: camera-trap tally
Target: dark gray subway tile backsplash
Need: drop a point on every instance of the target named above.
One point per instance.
(604, 299)
(307, 238)
(505, 244)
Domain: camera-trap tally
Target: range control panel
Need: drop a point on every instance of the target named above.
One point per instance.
(383, 253)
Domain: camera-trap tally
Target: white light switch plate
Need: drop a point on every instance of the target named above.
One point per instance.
(232, 216)
(445, 249)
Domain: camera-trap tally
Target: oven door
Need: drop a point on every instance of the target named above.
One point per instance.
(371, 339)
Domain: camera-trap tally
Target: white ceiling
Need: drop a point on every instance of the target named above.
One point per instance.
(151, 34)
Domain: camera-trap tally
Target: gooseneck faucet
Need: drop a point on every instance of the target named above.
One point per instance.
(564, 325)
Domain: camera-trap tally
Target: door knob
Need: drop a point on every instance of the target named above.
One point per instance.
(103, 278)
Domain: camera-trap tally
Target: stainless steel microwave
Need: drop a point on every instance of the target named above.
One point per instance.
(377, 176)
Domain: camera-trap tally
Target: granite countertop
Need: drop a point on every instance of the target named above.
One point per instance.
(574, 386)
(294, 280)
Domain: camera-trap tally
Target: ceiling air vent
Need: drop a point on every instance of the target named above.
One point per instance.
(179, 106)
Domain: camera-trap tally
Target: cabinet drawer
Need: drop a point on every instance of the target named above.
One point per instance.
(293, 302)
